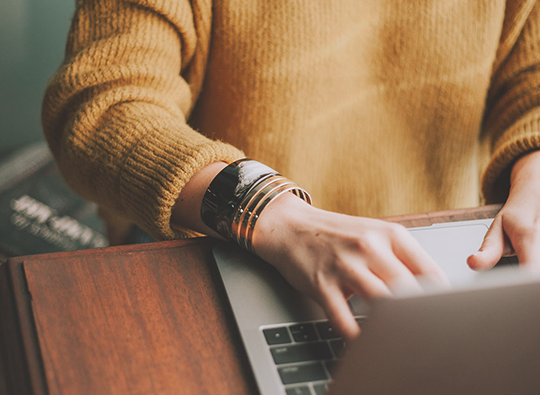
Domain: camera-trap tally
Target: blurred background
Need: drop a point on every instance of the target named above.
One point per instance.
(39, 213)
(32, 39)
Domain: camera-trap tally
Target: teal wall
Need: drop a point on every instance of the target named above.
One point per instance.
(32, 40)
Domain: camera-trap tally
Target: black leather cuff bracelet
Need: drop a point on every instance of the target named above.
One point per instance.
(226, 192)
(236, 197)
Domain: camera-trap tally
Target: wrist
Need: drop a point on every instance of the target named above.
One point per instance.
(526, 170)
(186, 211)
(285, 217)
(530, 159)
(239, 194)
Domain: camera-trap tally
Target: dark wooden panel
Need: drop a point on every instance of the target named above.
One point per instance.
(19, 348)
(146, 321)
(14, 371)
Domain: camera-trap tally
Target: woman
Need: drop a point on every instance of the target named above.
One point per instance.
(375, 108)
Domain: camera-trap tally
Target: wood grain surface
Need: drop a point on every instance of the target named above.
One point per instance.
(136, 321)
(145, 319)
(427, 219)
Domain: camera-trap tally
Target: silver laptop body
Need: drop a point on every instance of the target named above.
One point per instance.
(474, 340)
(262, 300)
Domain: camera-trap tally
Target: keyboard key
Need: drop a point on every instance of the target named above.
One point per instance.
(326, 331)
(361, 321)
(331, 366)
(302, 373)
(320, 389)
(298, 390)
(277, 336)
(301, 352)
(338, 347)
(513, 260)
(303, 332)
(508, 261)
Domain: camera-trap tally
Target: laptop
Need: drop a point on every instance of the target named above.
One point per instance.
(293, 350)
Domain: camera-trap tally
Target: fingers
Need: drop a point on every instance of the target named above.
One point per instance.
(526, 242)
(360, 281)
(338, 312)
(366, 283)
(369, 285)
(492, 249)
(388, 273)
(530, 255)
(391, 271)
(415, 258)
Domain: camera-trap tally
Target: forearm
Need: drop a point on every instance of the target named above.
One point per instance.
(187, 210)
(115, 113)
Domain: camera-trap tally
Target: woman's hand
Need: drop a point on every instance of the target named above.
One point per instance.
(331, 256)
(325, 255)
(516, 229)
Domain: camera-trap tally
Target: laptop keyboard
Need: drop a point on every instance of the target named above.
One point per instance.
(305, 355)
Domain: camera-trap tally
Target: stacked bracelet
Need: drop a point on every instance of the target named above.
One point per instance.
(237, 196)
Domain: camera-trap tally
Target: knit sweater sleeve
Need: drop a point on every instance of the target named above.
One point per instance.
(512, 120)
(115, 112)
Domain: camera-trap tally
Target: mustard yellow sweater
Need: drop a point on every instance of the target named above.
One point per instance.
(375, 107)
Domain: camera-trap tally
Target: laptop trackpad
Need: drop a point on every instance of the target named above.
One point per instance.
(449, 245)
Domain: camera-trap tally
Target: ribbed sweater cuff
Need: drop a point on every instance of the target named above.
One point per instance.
(157, 169)
(521, 138)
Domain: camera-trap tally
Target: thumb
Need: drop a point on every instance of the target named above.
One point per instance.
(492, 247)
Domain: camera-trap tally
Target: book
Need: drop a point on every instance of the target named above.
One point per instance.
(39, 213)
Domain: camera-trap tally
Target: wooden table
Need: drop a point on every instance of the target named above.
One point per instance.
(141, 319)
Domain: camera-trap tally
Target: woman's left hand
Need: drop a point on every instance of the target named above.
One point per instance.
(516, 228)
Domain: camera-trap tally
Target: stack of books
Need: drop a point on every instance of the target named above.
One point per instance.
(39, 213)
